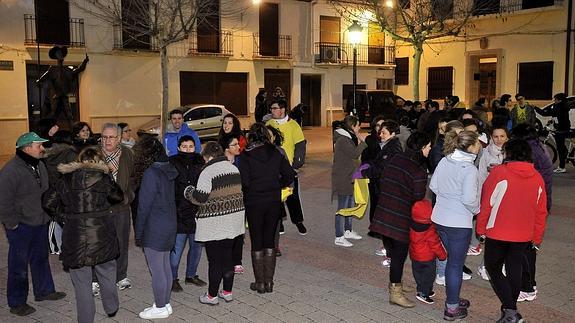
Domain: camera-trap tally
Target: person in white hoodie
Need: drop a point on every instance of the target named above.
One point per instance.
(455, 184)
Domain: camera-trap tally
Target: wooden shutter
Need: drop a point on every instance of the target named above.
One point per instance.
(228, 89)
(53, 22)
(402, 71)
(269, 29)
(136, 24)
(536, 80)
(208, 28)
(439, 82)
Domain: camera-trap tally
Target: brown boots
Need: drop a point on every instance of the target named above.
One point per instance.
(396, 296)
(264, 265)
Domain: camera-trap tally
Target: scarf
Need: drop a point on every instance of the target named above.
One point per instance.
(347, 134)
(30, 162)
(113, 161)
(282, 120)
(464, 156)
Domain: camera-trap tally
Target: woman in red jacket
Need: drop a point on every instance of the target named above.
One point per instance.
(513, 213)
(424, 248)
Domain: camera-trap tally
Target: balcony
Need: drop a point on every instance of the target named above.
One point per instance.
(221, 44)
(487, 7)
(272, 47)
(68, 32)
(127, 40)
(342, 54)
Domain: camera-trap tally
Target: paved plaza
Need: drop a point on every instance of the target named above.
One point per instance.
(319, 282)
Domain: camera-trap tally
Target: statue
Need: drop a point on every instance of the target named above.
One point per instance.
(62, 85)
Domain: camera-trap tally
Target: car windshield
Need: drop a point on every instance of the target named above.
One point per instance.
(381, 100)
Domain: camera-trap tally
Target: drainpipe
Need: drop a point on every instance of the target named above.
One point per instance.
(568, 45)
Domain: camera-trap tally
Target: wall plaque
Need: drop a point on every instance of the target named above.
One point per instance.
(6, 65)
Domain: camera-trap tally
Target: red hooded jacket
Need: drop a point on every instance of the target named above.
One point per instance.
(513, 204)
(424, 243)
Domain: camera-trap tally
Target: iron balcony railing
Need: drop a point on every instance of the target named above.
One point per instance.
(124, 39)
(487, 7)
(75, 38)
(272, 47)
(220, 44)
(339, 53)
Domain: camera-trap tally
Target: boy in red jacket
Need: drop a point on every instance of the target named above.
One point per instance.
(424, 248)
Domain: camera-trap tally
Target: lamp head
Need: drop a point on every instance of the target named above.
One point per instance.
(355, 33)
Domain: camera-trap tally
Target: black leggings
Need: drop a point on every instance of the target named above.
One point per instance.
(263, 220)
(397, 251)
(220, 265)
(511, 254)
(238, 249)
(560, 138)
(528, 276)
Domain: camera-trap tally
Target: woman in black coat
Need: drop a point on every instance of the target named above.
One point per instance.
(84, 196)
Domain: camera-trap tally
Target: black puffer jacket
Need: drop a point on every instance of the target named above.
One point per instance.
(59, 153)
(189, 166)
(84, 196)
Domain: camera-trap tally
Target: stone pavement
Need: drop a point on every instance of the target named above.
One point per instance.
(319, 282)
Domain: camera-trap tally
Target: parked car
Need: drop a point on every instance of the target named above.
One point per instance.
(371, 103)
(205, 119)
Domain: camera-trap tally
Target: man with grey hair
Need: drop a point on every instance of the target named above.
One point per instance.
(120, 160)
(23, 180)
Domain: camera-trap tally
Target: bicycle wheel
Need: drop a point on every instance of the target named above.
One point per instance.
(552, 151)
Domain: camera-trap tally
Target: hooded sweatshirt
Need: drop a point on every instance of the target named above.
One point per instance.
(513, 204)
(345, 162)
(491, 157)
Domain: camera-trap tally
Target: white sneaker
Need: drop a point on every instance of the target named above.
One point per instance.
(386, 262)
(527, 296)
(483, 272)
(351, 235)
(440, 280)
(465, 276)
(154, 313)
(341, 241)
(559, 170)
(381, 252)
(95, 289)
(228, 297)
(207, 299)
(124, 283)
(168, 306)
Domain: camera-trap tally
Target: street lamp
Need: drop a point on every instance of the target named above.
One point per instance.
(355, 34)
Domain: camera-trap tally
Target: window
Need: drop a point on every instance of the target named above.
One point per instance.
(402, 71)
(136, 24)
(535, 80)
(213, 112)
(384, 84)
(53, 22)
(439, 82)
(195, 114)
(486, 7)
(269, 29)
(208, 27)
(347, 94)
(530, 4)
(227, 89)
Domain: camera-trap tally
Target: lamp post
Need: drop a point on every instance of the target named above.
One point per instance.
(355, 31)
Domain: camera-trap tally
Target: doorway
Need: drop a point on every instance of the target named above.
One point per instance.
(487, 78)
(278, 77)
(311, 98)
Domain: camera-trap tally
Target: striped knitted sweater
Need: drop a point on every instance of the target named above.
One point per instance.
(221, 203)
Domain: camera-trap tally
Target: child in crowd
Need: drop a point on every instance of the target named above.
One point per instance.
(424, 248)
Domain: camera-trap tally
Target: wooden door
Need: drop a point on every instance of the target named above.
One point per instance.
(278, 77)
(311, 98)
(487, 80)
(269, 29)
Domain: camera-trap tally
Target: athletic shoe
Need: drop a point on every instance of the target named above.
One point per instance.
(155, 313)
(239, 269)
(301, 229)
(432, 294)
(464, 303)
(456, 314)
(386, 262)
(381, 252)
(124, 283)
(527, 296)
(440, 280)
(195, 281)
(351, 235)
(465, 276)
(342, 242)
(207, 299)
(95, 289)
(424, 298)
(282, 230)
(483, 272)
(467, 270)
(474, 251)
(168, 306)
(559, 170)
(227, 296)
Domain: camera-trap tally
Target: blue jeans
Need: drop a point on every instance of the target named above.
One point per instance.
(343, 201)
(28, 246)
(456, 242)
(194, 255)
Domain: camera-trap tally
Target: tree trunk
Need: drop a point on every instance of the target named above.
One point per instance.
(165, 87)
(418, 50)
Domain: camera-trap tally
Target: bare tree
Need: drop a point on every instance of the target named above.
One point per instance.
(414, 22)
(157, 24)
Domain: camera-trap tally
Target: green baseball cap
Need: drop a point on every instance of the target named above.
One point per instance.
(28, 138)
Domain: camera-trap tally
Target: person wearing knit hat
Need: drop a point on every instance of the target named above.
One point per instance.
(424, 248)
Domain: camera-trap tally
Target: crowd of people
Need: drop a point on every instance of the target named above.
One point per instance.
(70, 194)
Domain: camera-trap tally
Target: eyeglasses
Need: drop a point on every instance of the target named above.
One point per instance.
(109, 137)
(276, 108)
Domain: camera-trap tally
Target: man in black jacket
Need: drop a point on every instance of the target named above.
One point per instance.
(560, 113)
(23, 180)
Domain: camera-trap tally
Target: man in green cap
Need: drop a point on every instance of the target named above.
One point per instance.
(23, 180)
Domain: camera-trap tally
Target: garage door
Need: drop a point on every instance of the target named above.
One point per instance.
(229, 89)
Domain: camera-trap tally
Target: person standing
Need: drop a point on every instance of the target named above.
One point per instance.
(23, 180)
(127, 139)
(189, 165)
(368, 156)
(231, 126)
(513, 215)
(176, 129)
(349, 144)
(220, 219)
(295, 147)
(120, 159)
(560, 113)
(157, 221)
(261, 105)
(84, 195)
(403, 182)
(455, 185)
(522, 112)
(264, 172)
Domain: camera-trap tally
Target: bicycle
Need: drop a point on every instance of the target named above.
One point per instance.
(546, 137)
